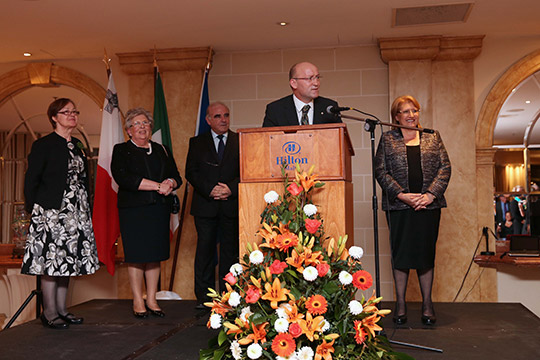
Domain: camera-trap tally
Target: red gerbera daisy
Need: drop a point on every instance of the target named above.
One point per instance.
(283, 345)
(362, 280)
(361, 333)
(316, 304)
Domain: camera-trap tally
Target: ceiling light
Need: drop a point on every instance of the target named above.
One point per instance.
(283, 23)
(27, 54)
(527, 101)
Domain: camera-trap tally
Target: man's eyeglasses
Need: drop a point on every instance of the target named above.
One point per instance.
(67, 112)
(310, 79)
(140, 123)
(410, 111)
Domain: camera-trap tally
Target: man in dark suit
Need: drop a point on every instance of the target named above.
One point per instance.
(213, 169)
(304, 106)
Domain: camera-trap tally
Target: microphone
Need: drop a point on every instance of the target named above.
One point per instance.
(336, 109)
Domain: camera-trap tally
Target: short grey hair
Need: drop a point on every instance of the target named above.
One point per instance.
(131, 113)
(215, 103)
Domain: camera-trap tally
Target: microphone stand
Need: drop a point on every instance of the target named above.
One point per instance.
(370, 125)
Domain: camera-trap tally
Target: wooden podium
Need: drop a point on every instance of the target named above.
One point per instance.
(263, 150)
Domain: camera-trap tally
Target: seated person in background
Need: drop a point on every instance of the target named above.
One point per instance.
(508, 227)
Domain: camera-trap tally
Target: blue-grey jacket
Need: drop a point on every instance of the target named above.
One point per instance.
(391, 169)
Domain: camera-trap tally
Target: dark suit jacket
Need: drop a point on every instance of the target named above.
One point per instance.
(392, 172)
(46, 177)
(204, 171)
(129, 165)
(282, 112)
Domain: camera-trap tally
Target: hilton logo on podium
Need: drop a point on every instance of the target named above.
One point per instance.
(291, 154)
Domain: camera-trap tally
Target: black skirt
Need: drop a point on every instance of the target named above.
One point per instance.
(145, 232)
(413, 235)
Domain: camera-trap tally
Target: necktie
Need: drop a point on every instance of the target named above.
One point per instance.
(221, 147)
(304, 120)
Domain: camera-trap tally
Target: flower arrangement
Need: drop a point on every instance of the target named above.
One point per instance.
(293, 295)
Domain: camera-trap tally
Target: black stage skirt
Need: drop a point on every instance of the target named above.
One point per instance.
(413, 235)
(145, 232)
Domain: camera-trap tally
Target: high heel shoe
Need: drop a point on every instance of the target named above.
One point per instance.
(400, 319)
(51, 323)
(69, 318)
(140, 315)
(428, 320)
(158, 313)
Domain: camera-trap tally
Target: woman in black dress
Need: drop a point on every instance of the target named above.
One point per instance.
(413, 170)
(146, 173)
(60, 239)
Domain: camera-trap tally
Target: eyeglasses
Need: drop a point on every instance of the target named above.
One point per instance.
(67, 112)
(140, 123)
(410, 111)
(310, 79)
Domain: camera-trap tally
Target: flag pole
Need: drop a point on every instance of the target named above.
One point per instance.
(107, 62)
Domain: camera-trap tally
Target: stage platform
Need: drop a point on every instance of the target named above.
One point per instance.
(467, 331)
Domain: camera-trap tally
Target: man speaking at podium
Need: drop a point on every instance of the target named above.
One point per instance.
(304, 106)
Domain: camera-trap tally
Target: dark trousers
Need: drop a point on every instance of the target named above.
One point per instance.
(209, 231)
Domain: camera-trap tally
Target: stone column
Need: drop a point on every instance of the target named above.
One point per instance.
(182, 72)
(438, 71)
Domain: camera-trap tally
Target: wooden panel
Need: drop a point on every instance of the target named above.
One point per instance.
(263, 151)
(334, 201)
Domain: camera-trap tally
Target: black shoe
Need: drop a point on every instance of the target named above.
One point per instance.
(158, 313)
(51, 323)
(400, 319)
(69, 318)
(140, 315)
(428, 320)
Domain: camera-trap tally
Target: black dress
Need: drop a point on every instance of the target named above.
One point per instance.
(413, 234)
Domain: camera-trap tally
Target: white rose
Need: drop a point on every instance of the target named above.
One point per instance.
(310, 273)
(271, 197)
(256, 257)
(234, 299)
(254, 351)
(310, 209)
(355, 307)
(356, 252)
(215, 321)
(281, 325)
(345, 278)
(236, 269)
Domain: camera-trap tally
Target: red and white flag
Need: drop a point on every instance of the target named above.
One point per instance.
(105, 213)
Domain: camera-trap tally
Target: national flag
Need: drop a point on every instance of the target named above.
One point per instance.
(202, 126)
(161, 132)
(105, 212)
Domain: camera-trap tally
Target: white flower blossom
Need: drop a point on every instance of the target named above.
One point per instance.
(236, 350)
(310, 273)
(356, 252)
(215, 321)
(256, 257)
(234, 299)
(245, 313)
(281, 311)
(310, 209)
(305, 353)
(236, 269)
(345, 278)
(281, 325)
(325, 326)
(254, 351)
(290, 357)
(355, 307)
(271, 197)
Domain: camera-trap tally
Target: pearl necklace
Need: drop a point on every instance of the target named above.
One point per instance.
(142, 147)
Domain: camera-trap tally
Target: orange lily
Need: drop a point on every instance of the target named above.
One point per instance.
(221, 307)
(269, 235)
(310, 325)
(371, 324)
(296, 260)
(324, 351)
(275, 293)
(293, 314)
(312, 258)
(259, 334)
